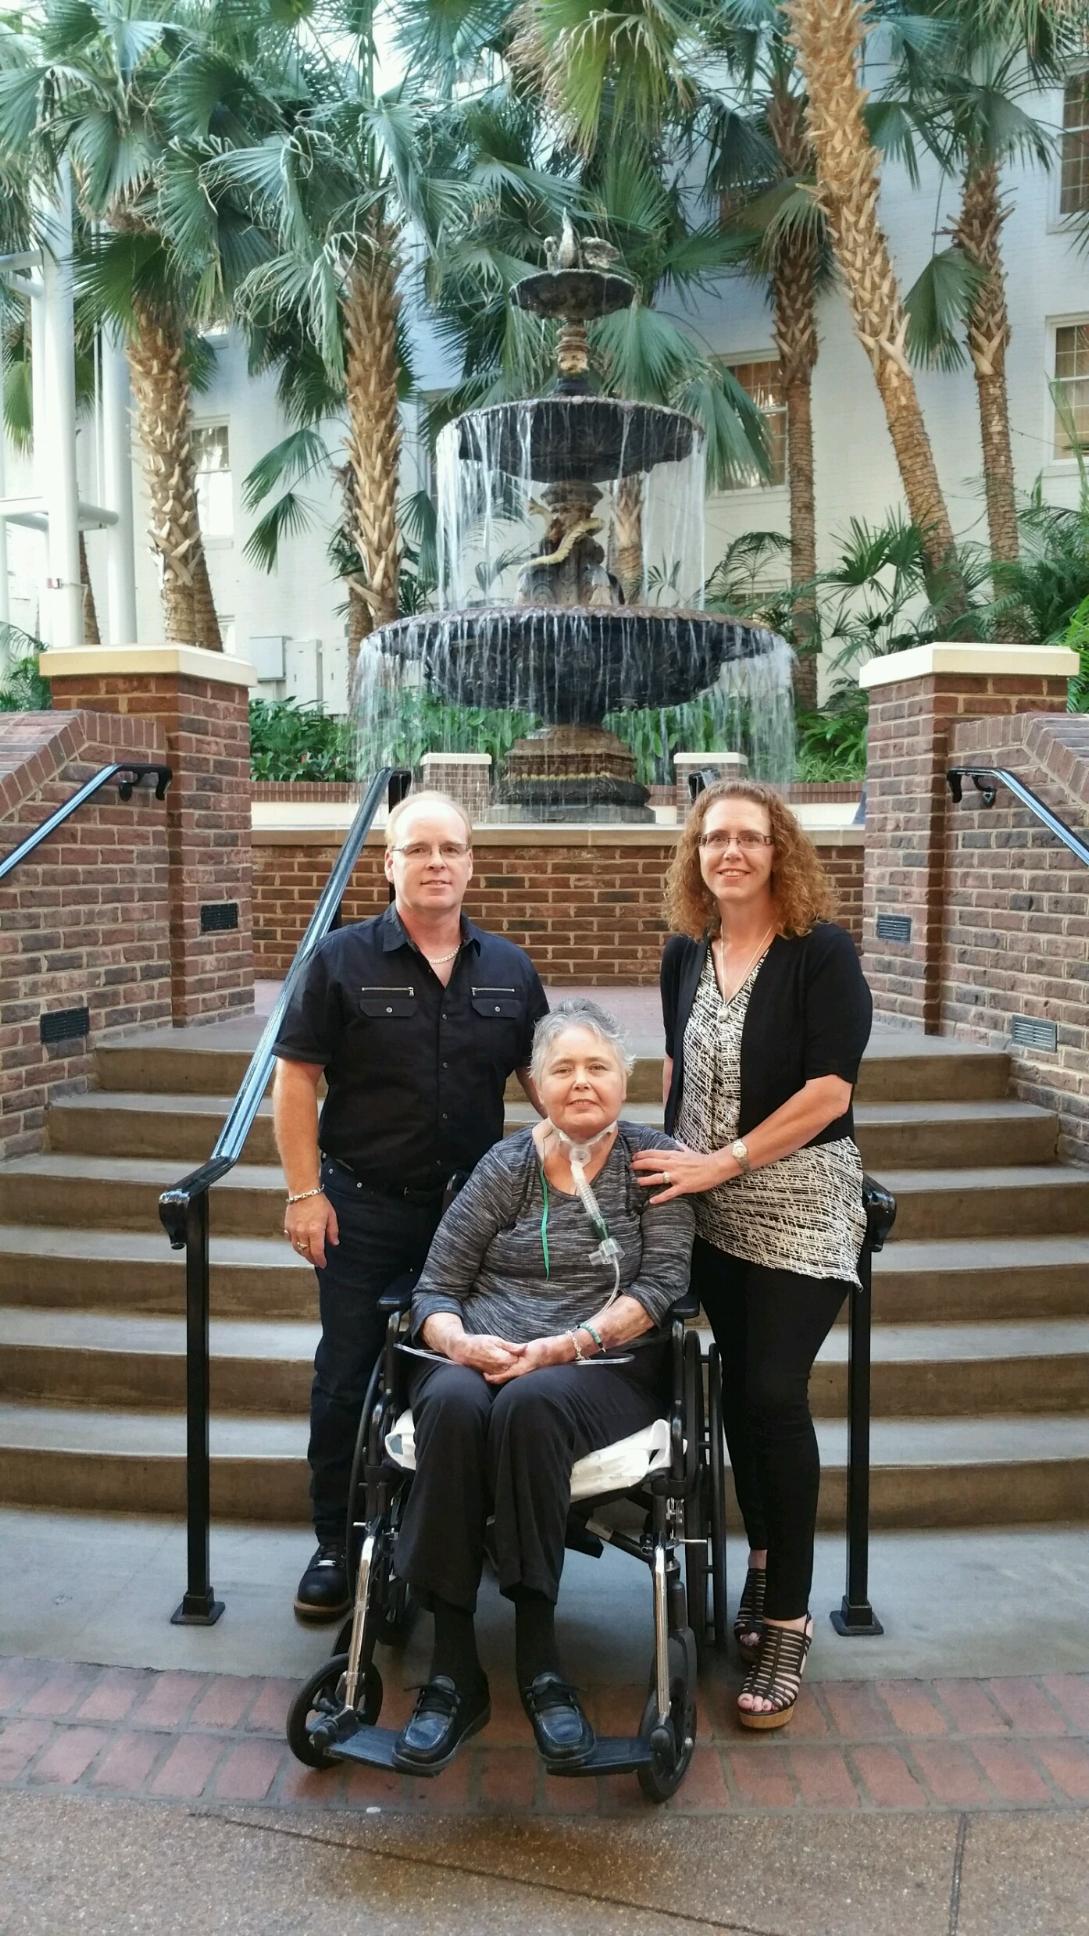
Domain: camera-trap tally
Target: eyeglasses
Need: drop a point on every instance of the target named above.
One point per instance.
(745, 837)
(423, 849)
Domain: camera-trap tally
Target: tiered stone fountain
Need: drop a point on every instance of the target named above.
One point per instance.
(565, 643)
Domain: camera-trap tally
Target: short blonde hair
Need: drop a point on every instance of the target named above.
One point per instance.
(800, 887)
(428, 797)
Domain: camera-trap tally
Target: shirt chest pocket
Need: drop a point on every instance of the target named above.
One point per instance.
(498, 1004)
(383, 1003)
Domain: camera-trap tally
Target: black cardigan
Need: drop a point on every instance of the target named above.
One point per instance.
(809, 1015)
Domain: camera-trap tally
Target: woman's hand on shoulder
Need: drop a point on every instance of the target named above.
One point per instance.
(534, 1356)
(672, 1173)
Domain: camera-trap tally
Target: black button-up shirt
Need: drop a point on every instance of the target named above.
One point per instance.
(415, 1071)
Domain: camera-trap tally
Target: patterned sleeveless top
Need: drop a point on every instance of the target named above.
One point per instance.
(802, 1213)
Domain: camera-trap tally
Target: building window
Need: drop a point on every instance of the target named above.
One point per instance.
(1074, 156)
(1072, 383)
(215, 496)
(762, 378)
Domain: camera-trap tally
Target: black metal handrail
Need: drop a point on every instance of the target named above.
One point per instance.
(855, 1616)
(184, 1210)
(987, 780)
(134, 771)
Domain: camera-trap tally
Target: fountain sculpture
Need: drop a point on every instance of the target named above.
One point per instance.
(564, 640)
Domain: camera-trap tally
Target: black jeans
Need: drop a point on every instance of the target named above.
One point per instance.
(769, 1326)
(509, 1449)
(380, 1239)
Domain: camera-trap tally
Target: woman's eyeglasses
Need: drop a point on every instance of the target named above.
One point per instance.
(745, 838)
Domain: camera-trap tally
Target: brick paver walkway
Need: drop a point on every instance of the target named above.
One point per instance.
(871, 1745)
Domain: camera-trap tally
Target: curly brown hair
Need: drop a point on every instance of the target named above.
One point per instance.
(800, 887)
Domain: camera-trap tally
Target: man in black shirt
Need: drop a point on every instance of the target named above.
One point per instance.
(416, 1018)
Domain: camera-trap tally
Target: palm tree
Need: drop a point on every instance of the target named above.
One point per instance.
(966, 103)
(829, 37)
(343, 186)
(129, 91)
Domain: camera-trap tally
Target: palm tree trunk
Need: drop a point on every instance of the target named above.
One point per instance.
(794, 313)
(627, 538)
(91, 633)
(370, 307)
(978, 233)
(160, 388)
(828, 36)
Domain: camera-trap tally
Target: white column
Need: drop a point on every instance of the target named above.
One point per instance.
(55, 429)
(117, 485)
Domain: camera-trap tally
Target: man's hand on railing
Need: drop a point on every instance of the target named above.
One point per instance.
(309, 1226)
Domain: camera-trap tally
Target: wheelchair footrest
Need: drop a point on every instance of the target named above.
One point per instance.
(373, 1746)
(613, 1755)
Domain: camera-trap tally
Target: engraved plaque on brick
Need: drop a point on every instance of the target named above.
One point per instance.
(65, 1024)
(217, 916)
(894, 927)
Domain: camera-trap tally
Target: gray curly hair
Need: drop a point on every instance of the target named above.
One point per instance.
(578, 1012)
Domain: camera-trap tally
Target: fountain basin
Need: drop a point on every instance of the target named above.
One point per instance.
(557, 439)
(576, 663)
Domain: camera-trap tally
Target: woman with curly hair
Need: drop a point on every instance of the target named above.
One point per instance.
(766, 1018)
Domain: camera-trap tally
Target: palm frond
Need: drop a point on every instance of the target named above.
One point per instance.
(937, 305)
(295, 457)
(735, 430)
(290, 516)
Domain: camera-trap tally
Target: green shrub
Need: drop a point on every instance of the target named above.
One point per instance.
(22, 688)
(289, 741)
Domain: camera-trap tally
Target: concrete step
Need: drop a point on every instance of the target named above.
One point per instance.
(945, 1472)
(898, 1135)
(899, 1066)
(95, 1359)
(123, 1193)
(918, 1370)
(134, 1272)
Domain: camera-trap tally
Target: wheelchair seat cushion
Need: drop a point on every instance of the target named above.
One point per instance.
(614, 1468)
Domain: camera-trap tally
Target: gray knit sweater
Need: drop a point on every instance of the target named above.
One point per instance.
(487, 1262)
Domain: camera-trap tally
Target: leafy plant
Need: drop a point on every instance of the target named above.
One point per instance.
(831, 742)
(22, 688)
(289, 741)
(1077, 637)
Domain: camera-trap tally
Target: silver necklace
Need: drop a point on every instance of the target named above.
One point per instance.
(722, 944)
(435, 961)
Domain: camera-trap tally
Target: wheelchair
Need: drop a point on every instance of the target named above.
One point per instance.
(672, 1473)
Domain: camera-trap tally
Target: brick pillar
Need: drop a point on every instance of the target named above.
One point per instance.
(915, 697)
(725, 766)
(466, 777)
(200, 703)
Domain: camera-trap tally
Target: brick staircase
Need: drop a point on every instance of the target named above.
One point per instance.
(981, 1301)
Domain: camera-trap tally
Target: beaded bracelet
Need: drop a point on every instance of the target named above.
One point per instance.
(596, 1336)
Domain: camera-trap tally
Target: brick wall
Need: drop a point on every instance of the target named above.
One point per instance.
(587, 914)
(1017, 911)
(907, 803)
(204, 725)
(84, 920)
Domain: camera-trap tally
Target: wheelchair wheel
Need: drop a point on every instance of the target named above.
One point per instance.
(673, 1744)
(716, 1500)
(322, 1698)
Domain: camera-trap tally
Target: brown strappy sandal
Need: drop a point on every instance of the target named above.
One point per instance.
(776, 1675)
(750, 1613)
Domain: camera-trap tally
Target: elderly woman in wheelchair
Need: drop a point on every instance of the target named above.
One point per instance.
(542, 1270)
(539, 1337)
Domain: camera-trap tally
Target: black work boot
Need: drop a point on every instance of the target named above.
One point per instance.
(323, 1590)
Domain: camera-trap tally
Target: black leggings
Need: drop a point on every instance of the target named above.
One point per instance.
(769, 1326)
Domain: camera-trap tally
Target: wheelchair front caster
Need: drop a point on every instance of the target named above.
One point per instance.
(315, 1717)
(673, 1742)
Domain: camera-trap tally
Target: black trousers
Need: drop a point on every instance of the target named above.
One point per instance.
(769, 1326)
(509, 1449)
(380, 1239)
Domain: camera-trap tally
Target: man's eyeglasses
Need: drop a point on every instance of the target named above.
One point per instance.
(746, 838)
(423, 849)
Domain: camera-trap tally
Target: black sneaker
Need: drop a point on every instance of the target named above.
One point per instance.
(323, 1590)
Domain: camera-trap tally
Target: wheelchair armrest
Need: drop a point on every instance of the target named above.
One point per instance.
(398, 1295)
(687, 1306)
